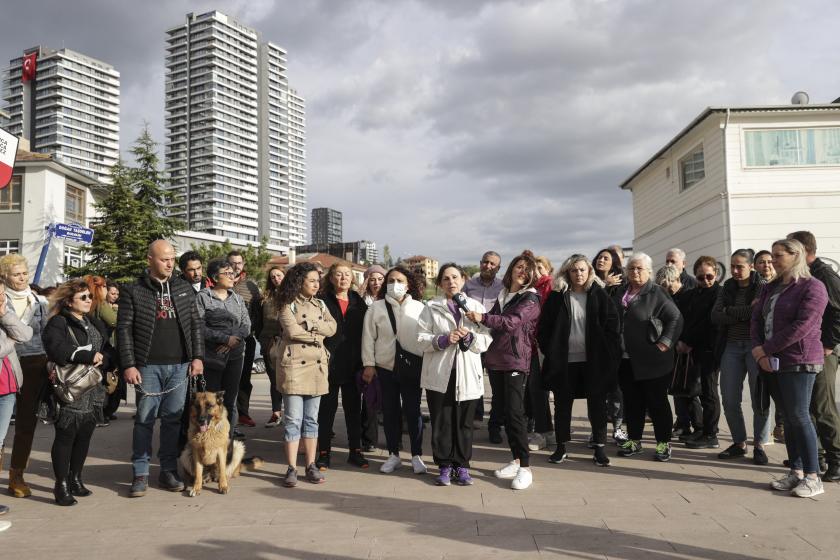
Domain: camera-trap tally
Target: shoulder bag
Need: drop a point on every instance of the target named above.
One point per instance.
(73, 380)
(405, 363)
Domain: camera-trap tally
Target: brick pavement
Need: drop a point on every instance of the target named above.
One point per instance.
(696, 506)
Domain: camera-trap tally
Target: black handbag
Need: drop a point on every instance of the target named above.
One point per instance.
(685, 380)
(405, 363)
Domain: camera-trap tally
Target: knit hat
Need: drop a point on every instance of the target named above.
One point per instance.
(375, 268)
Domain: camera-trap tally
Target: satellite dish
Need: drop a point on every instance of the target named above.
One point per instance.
(800, 98)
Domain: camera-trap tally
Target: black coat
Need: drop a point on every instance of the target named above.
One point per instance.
(651, 305)
(345, 346)
(698, 330)
(61, 349)
(603, 343)
(831, 317)
(136, 320)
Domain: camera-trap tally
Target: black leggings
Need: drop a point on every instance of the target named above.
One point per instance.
(351, 402)
(70, 446)
(649, 395)
(509, 396)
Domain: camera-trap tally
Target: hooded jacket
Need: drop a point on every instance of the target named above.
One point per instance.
(513, 326)
(136, 319)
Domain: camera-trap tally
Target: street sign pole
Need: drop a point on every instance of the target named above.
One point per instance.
(44, 250)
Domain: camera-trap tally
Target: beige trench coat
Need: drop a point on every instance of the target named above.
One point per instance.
(303, 362)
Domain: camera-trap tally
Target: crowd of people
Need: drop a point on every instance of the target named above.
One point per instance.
(622, 336)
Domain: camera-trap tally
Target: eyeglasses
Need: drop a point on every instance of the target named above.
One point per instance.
(708, 277)
(85, 297)
(228, 273)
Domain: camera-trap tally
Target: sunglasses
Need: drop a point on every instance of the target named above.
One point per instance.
(708, 277)
(85, 297)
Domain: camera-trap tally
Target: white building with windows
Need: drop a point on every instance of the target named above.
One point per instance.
(741, 177)
(45, 191)
(228, 133)
(71, 109)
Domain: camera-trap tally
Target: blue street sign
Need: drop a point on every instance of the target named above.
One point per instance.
(73, 233)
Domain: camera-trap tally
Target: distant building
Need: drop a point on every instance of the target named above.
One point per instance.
(45, 191)
(70, 108)
(360, 252)
(426, 266)
(323, 259)
(741, 177)
(326, 226)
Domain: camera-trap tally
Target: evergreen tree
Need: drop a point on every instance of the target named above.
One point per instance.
(256, 257)
(148, 184)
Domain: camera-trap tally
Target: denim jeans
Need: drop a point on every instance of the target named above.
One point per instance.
(736, 364)
(7, 407)
(168, 407)
(800, 434)
(300, 417)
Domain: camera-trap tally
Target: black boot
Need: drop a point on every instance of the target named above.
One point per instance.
(62, 494)
(76, 486)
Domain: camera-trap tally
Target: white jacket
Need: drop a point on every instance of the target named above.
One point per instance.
(378, 341)
(436, 320)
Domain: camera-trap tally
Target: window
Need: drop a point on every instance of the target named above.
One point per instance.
(9, 246)
(74, 207)
(73, 256)
(11, 195)
(692, 169)
(792, 147)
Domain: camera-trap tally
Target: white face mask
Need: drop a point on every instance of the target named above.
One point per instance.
(397, 290)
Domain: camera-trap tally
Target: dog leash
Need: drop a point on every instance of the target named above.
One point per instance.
(147, 394)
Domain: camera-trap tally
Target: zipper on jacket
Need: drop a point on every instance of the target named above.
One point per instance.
(513, 347)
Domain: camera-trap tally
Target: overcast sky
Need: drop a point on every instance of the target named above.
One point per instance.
(448, 127)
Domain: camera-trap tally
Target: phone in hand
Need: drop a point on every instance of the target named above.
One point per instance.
(774, 363)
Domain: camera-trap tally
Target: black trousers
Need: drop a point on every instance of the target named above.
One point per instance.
(243, 399)
(689, 412)
(824, 412)
(226, 380)
(351, 402)
(595, 407)
(370, 426)
(34, 381)
(70, 447)
(709, 394)
(276, 396)
(536, 398)
(649, 395)
(452, 429)
(615, 406)
(509, 397)
(401, 399)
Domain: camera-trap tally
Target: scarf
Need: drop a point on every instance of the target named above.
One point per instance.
(23, 303)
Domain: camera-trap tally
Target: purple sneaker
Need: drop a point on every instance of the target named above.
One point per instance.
(445, 477)
(462, 477)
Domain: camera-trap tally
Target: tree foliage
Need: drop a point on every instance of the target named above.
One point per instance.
(256, 257)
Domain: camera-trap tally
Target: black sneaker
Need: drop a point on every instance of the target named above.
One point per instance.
(323, 462)
(734, 451)
(630, 447)
(169, 480)
(356, 458)
(495, 436)
(662, 452)
(822, 464)
(238, 435)
(600, 458)
(832, 473)
(138, 487)
(759, 456)
(291, 479)
(313, 474)
(559, 454)
(703, 442)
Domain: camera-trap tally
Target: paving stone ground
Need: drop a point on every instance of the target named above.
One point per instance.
(695, 506)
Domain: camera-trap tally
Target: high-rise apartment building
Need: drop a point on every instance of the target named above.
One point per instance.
(227, 153)
(297, 169)
(66, 104)
(326, 226)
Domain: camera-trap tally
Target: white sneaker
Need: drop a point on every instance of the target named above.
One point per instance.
(523, 479)
(508, 471)
(5, 525)
(786, 483)
(536, 442)
(391, 464)
(418, 465)
(808, 488)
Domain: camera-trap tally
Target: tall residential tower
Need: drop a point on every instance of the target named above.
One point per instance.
(228, 132)
(66, 104)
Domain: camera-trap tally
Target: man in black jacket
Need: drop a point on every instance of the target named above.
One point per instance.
(823, 405)
(676, 257)
(192, 270)
(160, 342)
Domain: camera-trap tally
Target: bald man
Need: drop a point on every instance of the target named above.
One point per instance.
(159, 336)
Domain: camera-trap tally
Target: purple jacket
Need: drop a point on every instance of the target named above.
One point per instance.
(513, 328)
(797, 319)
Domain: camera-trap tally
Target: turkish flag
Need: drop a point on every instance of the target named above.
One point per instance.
(8, 153)
(29, 67)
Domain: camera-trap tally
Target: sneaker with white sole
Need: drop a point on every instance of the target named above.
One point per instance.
(418, 465)
(392, 463)
(508, 472)
(786, 483)
(536, 441)
(5, 525)
(620, 436)
(808, 487)
(523, 479)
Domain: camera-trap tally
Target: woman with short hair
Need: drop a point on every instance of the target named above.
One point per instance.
(302, 364)
(650, 325)
(452, 373)
(732, 313)
(74, 336)
(391, 353)
(579, 334)
(786, 328)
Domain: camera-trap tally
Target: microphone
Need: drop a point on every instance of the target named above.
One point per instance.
(461, 301)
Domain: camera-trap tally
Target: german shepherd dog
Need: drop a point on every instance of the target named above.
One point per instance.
(209, 445)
